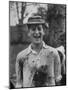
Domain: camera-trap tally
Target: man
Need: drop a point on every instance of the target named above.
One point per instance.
(39, 64)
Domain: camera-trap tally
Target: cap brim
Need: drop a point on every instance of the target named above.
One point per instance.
(36, 23)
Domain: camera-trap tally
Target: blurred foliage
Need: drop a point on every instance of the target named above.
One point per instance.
(56, 17)
(23, 6)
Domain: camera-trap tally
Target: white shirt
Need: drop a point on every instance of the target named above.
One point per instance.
(31, 61)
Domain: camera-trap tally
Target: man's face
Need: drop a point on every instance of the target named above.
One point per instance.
(36, 33)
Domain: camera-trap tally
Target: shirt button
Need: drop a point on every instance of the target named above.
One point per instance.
(33, 61)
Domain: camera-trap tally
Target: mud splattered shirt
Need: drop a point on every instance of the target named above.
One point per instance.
(29, 60)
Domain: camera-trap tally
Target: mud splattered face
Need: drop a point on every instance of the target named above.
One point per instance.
(36, 33)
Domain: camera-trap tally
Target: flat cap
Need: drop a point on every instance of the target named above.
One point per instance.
(34, 19)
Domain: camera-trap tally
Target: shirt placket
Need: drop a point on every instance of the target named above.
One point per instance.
(34, 61)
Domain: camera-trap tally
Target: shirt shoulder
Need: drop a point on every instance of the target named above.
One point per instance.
(22, 54)
(52, 50)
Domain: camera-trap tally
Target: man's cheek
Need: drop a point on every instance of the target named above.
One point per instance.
(41, 32)
(30, 34)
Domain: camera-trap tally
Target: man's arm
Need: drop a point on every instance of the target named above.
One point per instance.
(63, 64)
(57, 68)
(19, 72)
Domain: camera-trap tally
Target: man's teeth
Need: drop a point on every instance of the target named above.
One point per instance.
(37, 36)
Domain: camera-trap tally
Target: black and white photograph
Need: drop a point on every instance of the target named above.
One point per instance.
(37, 44)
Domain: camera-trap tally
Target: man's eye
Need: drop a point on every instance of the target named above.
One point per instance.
(39, 28)
(33, 29)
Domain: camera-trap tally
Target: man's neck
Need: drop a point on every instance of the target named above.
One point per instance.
(37, 47)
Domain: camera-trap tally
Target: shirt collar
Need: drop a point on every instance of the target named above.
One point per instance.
(31, 50)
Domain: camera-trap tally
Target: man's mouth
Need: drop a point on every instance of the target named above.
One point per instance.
(37, 36)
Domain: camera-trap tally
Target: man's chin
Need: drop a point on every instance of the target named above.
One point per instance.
(37, 42)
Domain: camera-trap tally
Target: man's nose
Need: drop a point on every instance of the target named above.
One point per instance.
(37, 31)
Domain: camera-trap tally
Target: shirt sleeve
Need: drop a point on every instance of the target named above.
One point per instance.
(19, 72)
(57, 67)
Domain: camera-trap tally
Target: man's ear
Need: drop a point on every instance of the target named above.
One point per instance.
(43, 33)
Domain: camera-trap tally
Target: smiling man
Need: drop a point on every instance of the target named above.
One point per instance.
(36, 32)
(39, 64)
